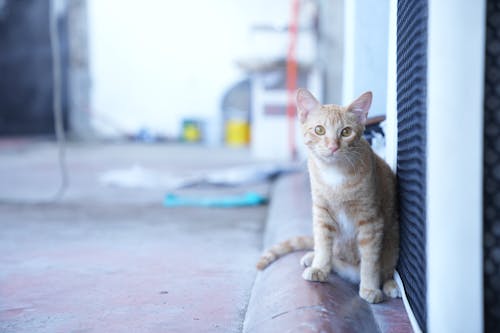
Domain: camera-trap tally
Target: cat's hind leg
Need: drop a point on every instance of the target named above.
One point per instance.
(307, 259)
(391, 289)
(346, 270)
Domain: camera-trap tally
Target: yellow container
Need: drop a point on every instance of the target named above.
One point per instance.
(237, 133)
(191, 131)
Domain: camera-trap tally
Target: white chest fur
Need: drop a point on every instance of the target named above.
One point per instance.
(332, 177)
(346, 225)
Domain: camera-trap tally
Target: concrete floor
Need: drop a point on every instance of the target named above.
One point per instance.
(107, 259)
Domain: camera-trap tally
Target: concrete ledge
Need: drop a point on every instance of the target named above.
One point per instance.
(282, 301)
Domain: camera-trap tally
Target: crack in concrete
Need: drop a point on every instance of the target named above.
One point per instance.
(302, 308)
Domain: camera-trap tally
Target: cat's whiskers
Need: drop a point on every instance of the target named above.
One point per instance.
(353, 164)
(357, 151)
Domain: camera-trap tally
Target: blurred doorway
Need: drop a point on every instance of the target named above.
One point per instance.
(26, 85)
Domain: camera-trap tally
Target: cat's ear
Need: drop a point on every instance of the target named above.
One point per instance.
(306, 103)
(361, 106)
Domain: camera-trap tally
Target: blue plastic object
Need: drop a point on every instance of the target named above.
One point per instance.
(246, 199)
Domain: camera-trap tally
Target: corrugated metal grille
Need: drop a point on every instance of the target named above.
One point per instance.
(411, 164)
(492, 170)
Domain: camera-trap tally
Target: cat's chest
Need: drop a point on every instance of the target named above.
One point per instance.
(346, 224)
(332, 177)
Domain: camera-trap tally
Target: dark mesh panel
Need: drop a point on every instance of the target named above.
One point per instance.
(492, 170)
(411, 165)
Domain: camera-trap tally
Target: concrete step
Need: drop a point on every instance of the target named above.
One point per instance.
(282, 301)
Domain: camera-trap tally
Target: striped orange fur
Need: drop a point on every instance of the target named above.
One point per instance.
(293, 244)
(355, 225)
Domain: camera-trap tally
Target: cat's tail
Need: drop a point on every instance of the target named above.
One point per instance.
(298, 243)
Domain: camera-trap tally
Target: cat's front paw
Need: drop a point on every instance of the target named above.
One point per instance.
(371, 295)
(307, 259)
(315, 274)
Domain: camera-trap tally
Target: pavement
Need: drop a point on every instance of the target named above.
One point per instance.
(112, 259)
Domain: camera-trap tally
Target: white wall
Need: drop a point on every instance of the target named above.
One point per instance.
(455, 75)
(365, 51)
(154, 62)
(391, 126)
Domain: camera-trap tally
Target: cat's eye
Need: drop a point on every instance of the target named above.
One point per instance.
(320, 130)
(346, 132)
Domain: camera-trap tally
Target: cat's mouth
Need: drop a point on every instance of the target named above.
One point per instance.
(330, 156)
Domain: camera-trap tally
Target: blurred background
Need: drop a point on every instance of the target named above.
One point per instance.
(138, 144)
(214, 72)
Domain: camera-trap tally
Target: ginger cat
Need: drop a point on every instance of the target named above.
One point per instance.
(355, 225)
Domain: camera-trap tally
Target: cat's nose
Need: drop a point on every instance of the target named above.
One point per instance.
(333, 149)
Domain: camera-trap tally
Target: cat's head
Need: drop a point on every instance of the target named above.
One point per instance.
(331, 132)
